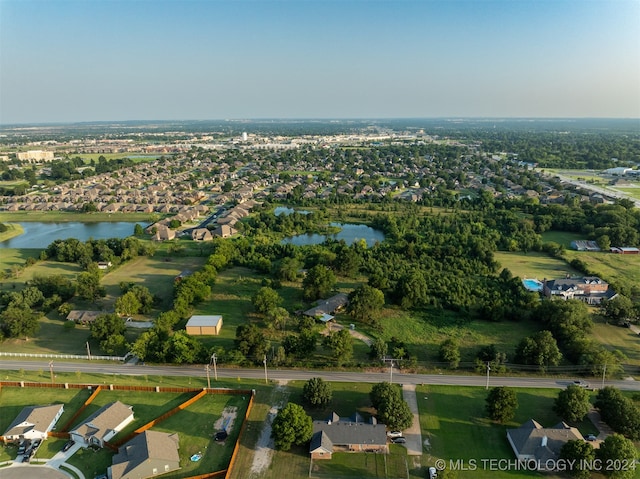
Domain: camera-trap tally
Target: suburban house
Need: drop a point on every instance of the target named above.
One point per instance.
(326, 308)
(224, 231)
(202, 325)
(33, 422)
(163, 233)
(103, 424)
(201, 234)
(531, 441)
(83, 317)
(336, 434)
(148, 454)
(590, 289)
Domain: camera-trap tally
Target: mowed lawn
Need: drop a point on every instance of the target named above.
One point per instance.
(196, 427)
(618, 338)
(146, 407)
(454, 424)
(534, 265)
(424, 332)
(622, 268)
(17, 257)
(154, 272)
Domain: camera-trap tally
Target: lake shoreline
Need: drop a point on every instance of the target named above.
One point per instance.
(67, 216)
(12, 231)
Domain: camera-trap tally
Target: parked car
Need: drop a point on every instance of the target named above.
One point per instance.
(582, 384)
(393, 434)
(221, 435)
(22, 447)
(590, 437)
(433, 473)
(399, 440)
(68, 445)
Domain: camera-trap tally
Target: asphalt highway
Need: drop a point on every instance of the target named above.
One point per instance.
(295, 374)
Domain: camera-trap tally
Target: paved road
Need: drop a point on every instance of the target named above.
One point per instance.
(302, 375)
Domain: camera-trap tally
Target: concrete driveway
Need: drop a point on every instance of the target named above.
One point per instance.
(413, 434)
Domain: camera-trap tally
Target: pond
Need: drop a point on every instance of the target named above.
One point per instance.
(40, 235)
(350, 233)
(283, 210)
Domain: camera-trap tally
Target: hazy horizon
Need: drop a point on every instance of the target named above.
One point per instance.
(72, 61)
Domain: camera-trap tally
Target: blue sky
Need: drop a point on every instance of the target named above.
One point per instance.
(94, 60)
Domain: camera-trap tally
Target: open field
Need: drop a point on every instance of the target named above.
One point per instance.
(41, 268)
(561, 237)
(423, 333)
(534, 265)
(12, 258)
(619, 268)
(155, 272)
(53, 337)
(618, 338)
(365, 465)
(631, 191)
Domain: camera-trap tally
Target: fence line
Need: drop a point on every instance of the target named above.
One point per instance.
(243, 427)
(63, 356)
(82, 408)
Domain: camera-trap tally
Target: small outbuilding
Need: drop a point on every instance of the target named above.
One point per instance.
(204, 325)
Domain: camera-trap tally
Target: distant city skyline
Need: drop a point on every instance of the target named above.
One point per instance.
(117, 60)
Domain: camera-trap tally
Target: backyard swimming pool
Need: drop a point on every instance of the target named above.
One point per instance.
(532, 285)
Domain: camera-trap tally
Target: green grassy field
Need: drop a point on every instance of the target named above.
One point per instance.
(534, 265)
(633, 192)
(12, 258)
(463, 432)
(617, 338)
(41, 268)
(621, 268)
(561, 237)
(196, 427)
(155, 272)
(12, 230)
(424, 333)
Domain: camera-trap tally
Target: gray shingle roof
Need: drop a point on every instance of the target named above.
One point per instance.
(343, 432)
(531, 439)
(144, 453)
(33, 418)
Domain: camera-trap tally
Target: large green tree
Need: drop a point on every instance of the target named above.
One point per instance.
(365, 304)
(316, 392)
(617, 455)
(540, 349)
(450, 352)
(580, 454)
(341, 345)
(318, 282)
(572, 404)
(501, 404)
(266, 299)
(292, 425)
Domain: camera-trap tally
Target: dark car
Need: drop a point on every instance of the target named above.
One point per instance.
(68, 445)
(398, 440)
(221, 435)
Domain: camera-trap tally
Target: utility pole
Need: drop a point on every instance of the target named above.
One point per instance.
(215, 369)
(266, 379)
(390, 361)
(88, 351)
(604, 373)
(51, 371)
(206, 367)
(488, 369)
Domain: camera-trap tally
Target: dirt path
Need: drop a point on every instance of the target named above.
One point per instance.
(354, 334)
(265, 446)
(412, 434)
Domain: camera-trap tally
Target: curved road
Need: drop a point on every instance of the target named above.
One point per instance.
(302, 375)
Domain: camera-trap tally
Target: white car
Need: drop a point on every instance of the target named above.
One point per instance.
(393, 434)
